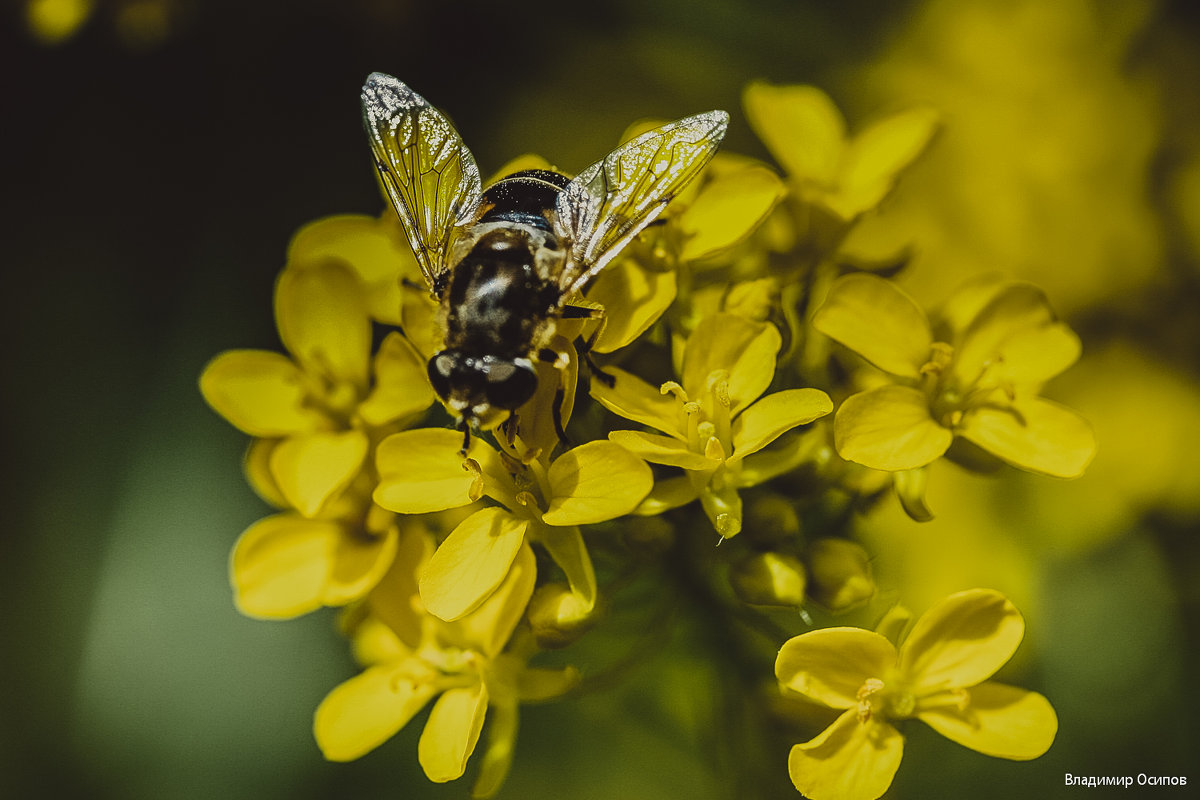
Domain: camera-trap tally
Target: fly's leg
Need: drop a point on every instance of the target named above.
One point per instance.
(584, 346)
(560, 361)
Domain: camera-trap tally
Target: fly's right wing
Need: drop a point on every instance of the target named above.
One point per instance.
(425, 170)
(611, 201)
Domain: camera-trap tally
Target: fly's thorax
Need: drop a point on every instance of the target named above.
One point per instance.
(501, 293)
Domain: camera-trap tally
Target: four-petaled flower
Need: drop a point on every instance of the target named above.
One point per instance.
(316, 416)
(413, 657)
(716, 420)
(539, 499)
(806, 134)
(939, 675)
(978, 377)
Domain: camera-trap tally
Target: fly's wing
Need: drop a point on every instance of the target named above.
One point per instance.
(611, 201)
(425, 169)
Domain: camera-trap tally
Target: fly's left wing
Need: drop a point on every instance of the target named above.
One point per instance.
(426, 171)
(611, 201)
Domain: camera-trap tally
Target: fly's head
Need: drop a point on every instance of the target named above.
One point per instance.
(482, 390)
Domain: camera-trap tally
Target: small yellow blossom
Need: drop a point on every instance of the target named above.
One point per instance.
(716, 420)
(980, 380)
(326, 402)
(939, 675)
(317, 416)
(413, 657)
(286, 565)
(373, 248)
(806, 134)
(539, 499)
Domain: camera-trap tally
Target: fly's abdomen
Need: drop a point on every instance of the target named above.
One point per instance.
(496, 300)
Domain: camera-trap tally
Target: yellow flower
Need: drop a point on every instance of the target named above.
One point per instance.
(939, 675)
(373, 248)
(413, 657)
(981, 381)
(325, 403)
(286, 565)
(318, 415)
(806, 134)
(716, 420)
(540, 500)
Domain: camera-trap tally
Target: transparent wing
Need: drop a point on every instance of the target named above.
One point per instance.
(426, 171)
(611, 201)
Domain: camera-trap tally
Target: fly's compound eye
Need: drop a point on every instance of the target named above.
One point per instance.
(510, 383)
(441, 368)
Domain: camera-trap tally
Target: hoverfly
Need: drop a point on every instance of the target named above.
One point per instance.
(504, 262)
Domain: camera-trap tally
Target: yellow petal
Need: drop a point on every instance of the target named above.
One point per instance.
(488, 628)
(801, 127)
(554, 397)
(743, 348)
(633, 298)
(764, 421)
(998, 720)
(366, 711)
(420, 470)
(261, 393)
(451, 733)
(1017, 310)
(375, 249)
(877, 320)
(401, 385)
(877, 156)
(471, 562)
(910, 491)
(360, 560)
(257, 466)
(1034, 355)
(961, 641)
(634, 399)
(850, 760)
(392, 598)
(538, 684)
(667, 494)
(311, 469)
(728, 209)
(830, 665)
(419, 319)
(322, 316)
(565, 546)
(279, 566)
(1034, 434)
(499, 748)
(889, 428)
(594, 482)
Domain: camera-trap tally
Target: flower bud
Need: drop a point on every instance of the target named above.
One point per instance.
(769, 579)
(558, 616)
(649, 536)
(840, 574)
(770, 519)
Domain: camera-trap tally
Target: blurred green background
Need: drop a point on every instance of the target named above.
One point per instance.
(158, 156)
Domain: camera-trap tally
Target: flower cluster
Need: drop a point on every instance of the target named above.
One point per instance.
(748, 383)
